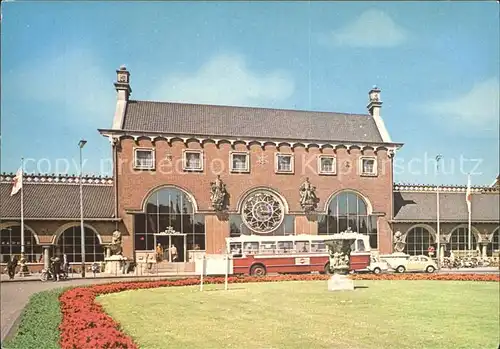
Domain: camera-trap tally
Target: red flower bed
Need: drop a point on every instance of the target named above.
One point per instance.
(85, 325)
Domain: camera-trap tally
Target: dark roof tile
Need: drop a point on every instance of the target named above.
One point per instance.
(212, 120)
(42, 200)
(418, 206)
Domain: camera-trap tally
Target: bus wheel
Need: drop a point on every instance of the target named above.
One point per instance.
(258, 270)
(327, 269)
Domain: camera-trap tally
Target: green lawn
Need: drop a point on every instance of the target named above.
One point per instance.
(297, 315)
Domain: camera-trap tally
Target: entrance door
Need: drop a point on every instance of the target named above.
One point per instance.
(178, 242)
(163, 241)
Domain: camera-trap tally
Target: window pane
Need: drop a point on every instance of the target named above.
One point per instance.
(284, 163)
(342, 204)
(239, 161)
(352, 204)
(322, 225)
(235, 225)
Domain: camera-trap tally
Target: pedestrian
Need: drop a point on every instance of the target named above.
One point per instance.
(11, 267)
(56, 267)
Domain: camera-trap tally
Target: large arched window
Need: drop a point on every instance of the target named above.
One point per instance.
(169, 207)
(418, 240)
(348, 210)
(10, 240)
(459, 239)
(70, 244)
(494, 245)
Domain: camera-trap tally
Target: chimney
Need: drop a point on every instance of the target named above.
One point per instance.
(123, 91)
(375, 102)
(374, 109)
(122, 84)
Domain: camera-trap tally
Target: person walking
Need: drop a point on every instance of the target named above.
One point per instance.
(11, 267)
(56, 267)
(173, 253)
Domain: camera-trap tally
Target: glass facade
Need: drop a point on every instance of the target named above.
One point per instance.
(459, 239)
(169, 207)
(348, 210)
(69, 243)
(418, 241)
(10, 245)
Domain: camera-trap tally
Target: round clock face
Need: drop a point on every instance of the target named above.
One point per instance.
(262, 212)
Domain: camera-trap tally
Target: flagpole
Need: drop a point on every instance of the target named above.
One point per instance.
(470, 210)
(438, 221)
(22, 208)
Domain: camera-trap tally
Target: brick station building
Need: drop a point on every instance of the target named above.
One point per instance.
(169, 157)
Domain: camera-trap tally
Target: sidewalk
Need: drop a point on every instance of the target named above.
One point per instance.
(101, 276)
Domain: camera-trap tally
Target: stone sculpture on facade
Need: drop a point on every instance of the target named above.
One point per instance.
(399, 242)
(218, 194)
(308, 199)
(116, 244)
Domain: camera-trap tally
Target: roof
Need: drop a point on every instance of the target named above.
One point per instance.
(213, 120)
(422, 206)
(55, 200)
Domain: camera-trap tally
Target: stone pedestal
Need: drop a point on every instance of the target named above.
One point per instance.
(46, 257)
(340, 283)
(114, 264)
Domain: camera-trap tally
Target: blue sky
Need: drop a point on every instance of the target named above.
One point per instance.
(436, 63)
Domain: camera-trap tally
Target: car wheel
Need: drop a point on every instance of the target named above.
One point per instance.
(258, 270)
(430, 269)
(377, 271)
(400, 269)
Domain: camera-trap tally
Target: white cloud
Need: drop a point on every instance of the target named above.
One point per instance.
(373, 28)
(225, 79)
(71, 80)
(475, 109)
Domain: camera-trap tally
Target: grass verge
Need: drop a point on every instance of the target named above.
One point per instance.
(39, 326)
(296, 315)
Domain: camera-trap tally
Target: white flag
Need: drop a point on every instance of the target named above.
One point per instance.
(18, 182)
(468, 195)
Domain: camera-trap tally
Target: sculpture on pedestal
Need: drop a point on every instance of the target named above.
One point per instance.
(308, 199)
(116, 243)
(218, 194)
(340, 253)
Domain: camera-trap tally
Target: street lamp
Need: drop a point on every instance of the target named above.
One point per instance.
(81, 144)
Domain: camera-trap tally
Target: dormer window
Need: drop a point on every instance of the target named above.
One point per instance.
(193, 160)
(144, 158)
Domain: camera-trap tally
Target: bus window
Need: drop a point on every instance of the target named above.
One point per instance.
(250, 247)
(267, 246)
(302, 246)
(235, 247)
(285, 247)
(361, 246)
(318, 247)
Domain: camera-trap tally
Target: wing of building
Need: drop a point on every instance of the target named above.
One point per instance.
(191, 175)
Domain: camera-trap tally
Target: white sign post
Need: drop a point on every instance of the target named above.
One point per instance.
(227, 272)
(202, 272)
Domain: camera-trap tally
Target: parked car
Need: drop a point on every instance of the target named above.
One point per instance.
(419, 264)
(378, 265)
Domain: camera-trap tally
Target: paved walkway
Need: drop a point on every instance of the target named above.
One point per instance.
(15, 295)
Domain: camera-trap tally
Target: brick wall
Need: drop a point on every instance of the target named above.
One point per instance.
(134, 186)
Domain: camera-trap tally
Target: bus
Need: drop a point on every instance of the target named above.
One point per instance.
(259, 255)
